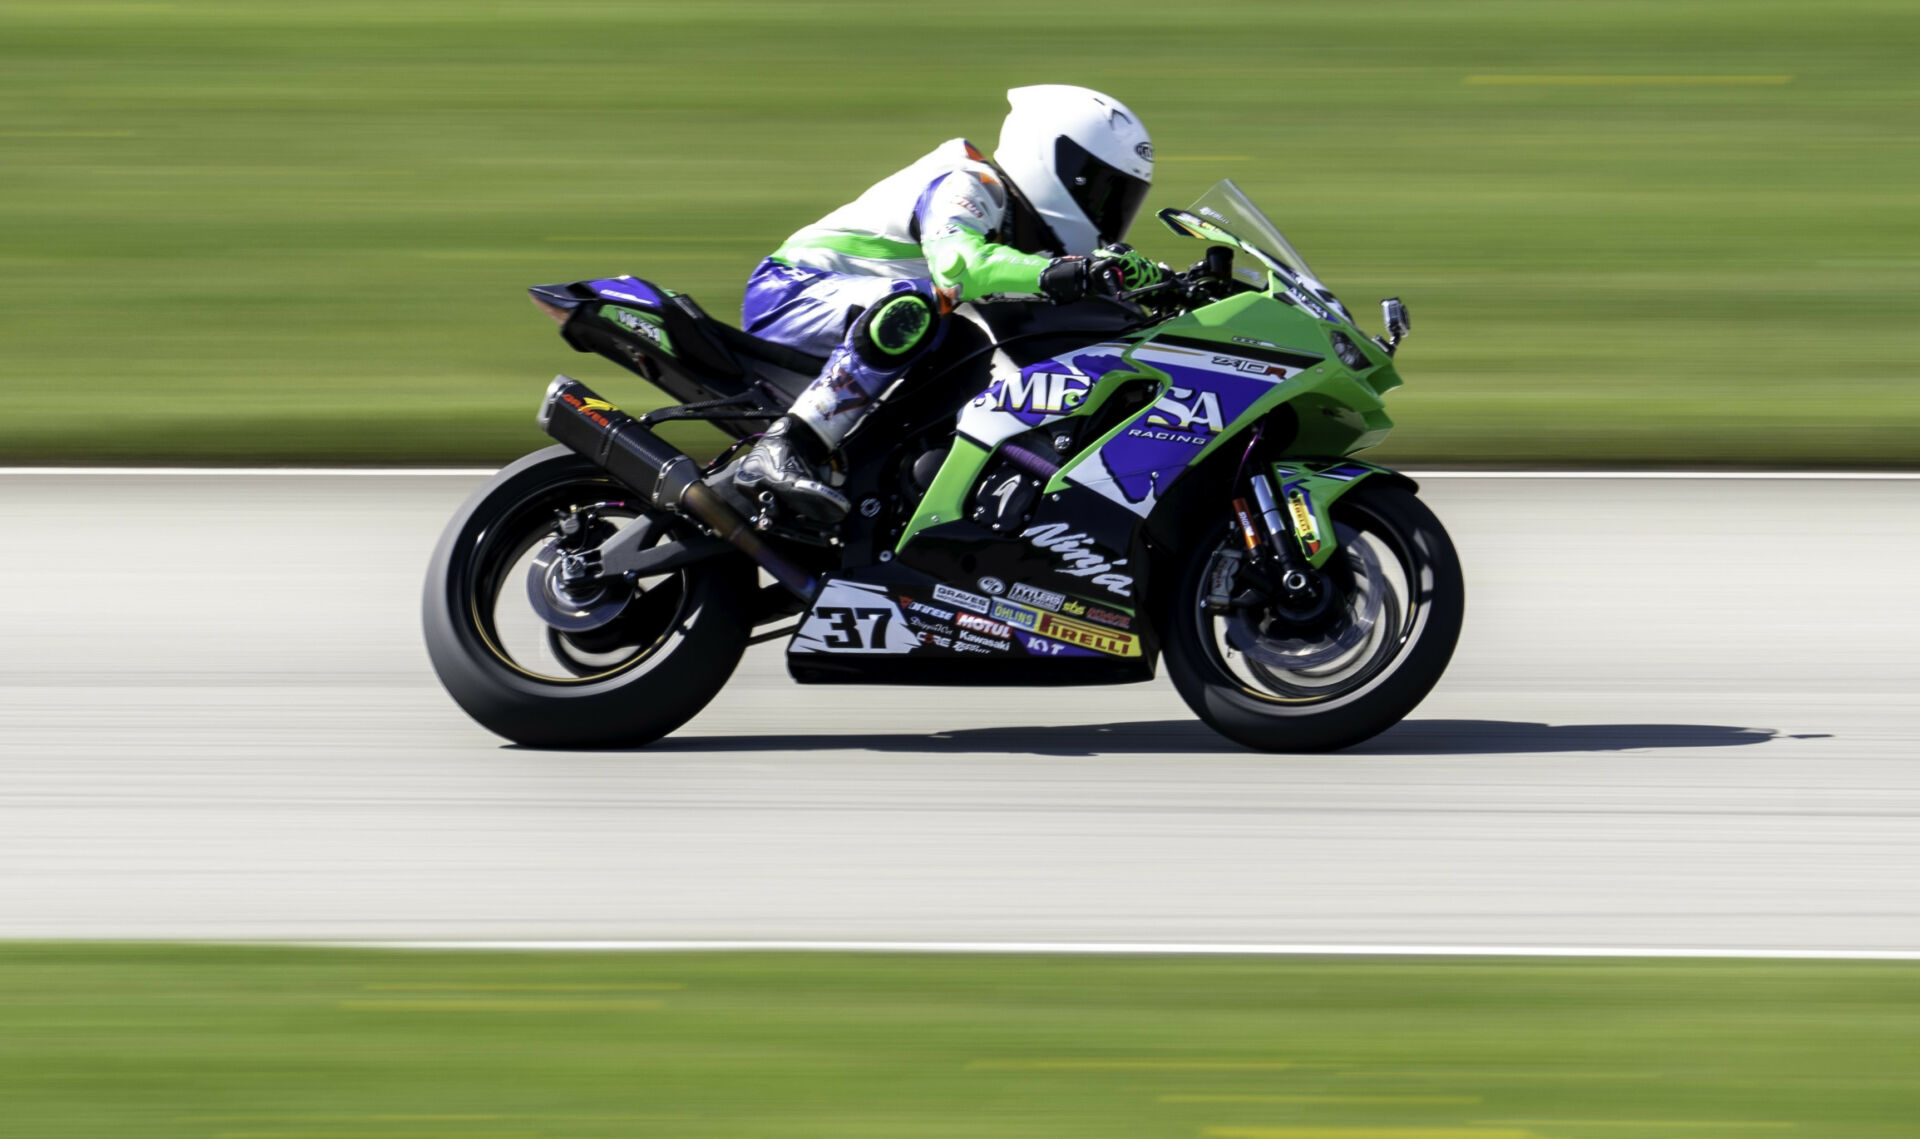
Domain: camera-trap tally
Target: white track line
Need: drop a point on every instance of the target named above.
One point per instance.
(1136, 949)
(483, 472)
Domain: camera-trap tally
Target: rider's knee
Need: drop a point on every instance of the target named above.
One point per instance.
(892, 332)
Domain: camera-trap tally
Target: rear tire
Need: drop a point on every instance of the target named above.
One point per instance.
(701, 631)
(1267, 710)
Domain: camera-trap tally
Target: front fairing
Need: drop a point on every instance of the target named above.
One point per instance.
(1221, 369)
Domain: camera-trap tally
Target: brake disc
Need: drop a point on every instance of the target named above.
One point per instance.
(569, 606)
(1267, 642)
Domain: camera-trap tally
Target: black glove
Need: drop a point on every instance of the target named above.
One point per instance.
(1132, 269)
(1064, 280)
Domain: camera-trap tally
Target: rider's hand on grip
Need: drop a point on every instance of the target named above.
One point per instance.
(1064, 280)
(1126, 266)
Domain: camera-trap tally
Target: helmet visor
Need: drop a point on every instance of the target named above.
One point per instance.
(1110, 198)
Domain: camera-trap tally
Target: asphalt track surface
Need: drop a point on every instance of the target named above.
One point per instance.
(1683, 713)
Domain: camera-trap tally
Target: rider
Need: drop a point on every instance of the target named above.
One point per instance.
(867, 284)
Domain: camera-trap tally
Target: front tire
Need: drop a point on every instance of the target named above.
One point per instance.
(617, 686)
(1350, 687)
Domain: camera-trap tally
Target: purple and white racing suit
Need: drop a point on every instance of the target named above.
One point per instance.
(926, 229)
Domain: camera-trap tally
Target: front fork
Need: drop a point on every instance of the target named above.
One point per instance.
(1288, 539)
(1271, 563)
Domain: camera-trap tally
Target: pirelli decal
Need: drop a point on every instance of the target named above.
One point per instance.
(1108, 641)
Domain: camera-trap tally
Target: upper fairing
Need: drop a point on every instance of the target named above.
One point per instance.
(1206, 389)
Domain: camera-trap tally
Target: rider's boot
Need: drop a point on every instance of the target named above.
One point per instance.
(791, 460)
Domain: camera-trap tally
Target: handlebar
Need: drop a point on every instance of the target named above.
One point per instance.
(1202, 281)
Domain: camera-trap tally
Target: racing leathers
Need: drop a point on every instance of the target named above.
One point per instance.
(866, 286)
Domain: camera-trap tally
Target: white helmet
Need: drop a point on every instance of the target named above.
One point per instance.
(1082, 160)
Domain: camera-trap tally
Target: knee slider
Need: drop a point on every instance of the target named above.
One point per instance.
(889, 334)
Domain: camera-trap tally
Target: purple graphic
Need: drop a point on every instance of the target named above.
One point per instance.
(1152, 450)
(1039, 646)
(631, 290)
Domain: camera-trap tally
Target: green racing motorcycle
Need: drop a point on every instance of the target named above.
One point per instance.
(1057, 495)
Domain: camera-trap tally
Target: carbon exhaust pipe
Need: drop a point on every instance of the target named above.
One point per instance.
(658, 472)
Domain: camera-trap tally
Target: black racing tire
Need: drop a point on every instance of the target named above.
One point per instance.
(1425, 638)
(634, 705)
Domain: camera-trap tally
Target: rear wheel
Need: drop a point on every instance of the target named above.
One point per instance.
(551, 662)
(1327, 673)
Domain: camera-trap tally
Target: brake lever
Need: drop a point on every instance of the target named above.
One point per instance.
(1144, 290)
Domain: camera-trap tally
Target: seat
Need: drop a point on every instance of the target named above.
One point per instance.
(719, 347)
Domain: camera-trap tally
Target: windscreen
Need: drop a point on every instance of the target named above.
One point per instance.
(1229, 208)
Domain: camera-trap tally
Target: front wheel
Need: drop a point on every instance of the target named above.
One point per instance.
(549, 664)
(1337, 672)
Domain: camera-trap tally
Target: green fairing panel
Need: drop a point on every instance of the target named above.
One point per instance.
(1308, 490)
(1340, 411)
(946, 499)
(966, 261)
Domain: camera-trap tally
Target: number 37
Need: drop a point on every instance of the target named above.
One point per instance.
(845, 627)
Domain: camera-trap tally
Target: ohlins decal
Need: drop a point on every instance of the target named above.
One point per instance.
(1075, 550)
(1015, 615)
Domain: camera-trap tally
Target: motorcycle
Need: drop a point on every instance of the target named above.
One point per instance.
(1054, 495)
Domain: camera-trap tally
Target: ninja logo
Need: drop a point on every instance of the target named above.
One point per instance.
(1202, 413)
(1076, 553)
(1041, 393)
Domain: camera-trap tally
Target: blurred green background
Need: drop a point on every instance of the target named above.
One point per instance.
(1629, 232)
(146, 1042)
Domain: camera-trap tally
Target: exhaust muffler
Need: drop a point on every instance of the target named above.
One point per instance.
(658, 471)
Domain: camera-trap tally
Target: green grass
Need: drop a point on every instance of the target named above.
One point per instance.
(293, 230)
(255, 1043)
